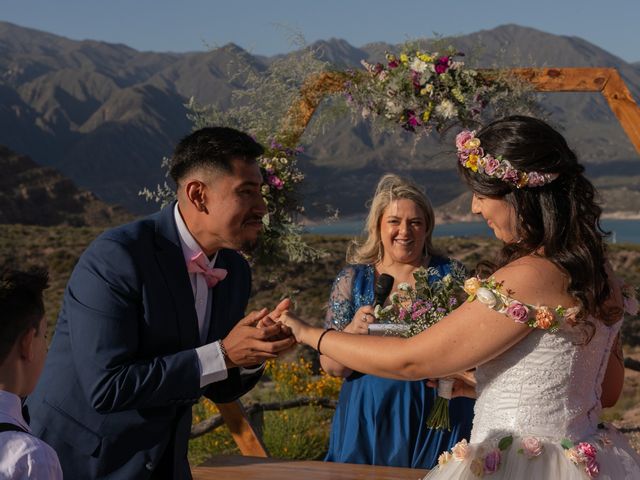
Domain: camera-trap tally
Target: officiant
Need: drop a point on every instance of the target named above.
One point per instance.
(381, 421)
(154, 317)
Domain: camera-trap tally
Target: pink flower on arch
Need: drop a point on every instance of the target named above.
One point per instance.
(442, 65)
(275, 181)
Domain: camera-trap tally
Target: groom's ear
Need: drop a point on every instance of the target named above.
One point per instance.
(195, 193)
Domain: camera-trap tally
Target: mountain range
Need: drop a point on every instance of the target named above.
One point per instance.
(104, 115)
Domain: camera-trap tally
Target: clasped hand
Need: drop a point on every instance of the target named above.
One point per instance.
(258, 337)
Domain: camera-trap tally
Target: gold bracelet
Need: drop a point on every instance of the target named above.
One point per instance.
(320, 339)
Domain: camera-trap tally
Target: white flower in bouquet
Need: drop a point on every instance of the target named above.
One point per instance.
(446, 109)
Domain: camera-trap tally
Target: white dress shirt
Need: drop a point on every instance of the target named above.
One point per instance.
(210, 359)
(23, 456)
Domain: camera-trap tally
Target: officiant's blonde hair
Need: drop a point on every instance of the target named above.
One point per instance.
(390, 187)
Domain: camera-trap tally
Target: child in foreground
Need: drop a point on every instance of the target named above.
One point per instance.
(23, 348)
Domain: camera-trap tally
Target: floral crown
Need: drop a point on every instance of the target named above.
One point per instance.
(472, 156)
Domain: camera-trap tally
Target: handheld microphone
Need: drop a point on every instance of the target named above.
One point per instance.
(382, 289)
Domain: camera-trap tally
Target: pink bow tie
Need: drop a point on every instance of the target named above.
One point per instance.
(199, 264)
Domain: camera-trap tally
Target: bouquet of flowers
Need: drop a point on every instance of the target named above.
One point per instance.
(417, 308)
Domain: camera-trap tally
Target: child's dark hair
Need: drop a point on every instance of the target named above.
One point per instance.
(21, 304)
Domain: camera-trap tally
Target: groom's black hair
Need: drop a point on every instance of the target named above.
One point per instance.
(212, 147)
(21, 304)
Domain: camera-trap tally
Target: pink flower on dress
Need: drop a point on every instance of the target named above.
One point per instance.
(477, 467)
(592, 468)
(518, 312)
(532, 447)
(492, 461)
(587, 449)
(460, 450)
(443, 459)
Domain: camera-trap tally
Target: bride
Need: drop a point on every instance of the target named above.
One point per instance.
(540, 329)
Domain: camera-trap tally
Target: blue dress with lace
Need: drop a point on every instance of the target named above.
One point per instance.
(380, 421)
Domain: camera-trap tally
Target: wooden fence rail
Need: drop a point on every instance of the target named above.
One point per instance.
(255, 410)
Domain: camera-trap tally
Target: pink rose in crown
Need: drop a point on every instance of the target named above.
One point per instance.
(535, 179)
(492, 462)
(518, 312)
(463, 137)
(490, 164)
(510, 175)
(532, 447)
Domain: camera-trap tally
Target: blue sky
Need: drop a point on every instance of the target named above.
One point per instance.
(264, 26)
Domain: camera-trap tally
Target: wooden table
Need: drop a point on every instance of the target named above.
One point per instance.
(236, 467)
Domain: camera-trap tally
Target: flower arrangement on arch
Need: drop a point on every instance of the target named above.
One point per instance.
(281, 239)
(420, 91)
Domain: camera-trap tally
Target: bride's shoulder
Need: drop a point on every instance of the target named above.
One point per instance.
(537, 280)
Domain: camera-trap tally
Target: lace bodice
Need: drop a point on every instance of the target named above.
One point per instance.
(548, 385)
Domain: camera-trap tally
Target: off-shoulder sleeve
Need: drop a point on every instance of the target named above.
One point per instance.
(341, 306)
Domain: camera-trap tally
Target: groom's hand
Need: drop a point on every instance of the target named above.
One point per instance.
(247, 345)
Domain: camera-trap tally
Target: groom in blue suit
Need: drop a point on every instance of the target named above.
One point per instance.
(153, 318)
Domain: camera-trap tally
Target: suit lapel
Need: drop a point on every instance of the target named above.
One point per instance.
(171, 261)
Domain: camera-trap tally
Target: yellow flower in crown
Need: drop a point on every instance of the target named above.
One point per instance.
(472, 162)
(523, 179)
(404, 58)
(472, 144)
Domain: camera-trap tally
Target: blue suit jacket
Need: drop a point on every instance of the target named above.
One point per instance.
(122, 373)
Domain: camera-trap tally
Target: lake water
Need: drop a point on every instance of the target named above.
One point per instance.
(623, 231)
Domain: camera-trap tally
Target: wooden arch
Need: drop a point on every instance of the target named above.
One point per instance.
(607, 81)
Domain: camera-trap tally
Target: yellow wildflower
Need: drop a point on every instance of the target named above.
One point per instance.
(472, 162)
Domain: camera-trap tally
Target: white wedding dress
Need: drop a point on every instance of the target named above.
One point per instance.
(543, 391)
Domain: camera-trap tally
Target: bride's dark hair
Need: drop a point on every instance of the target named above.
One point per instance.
(561, 218)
